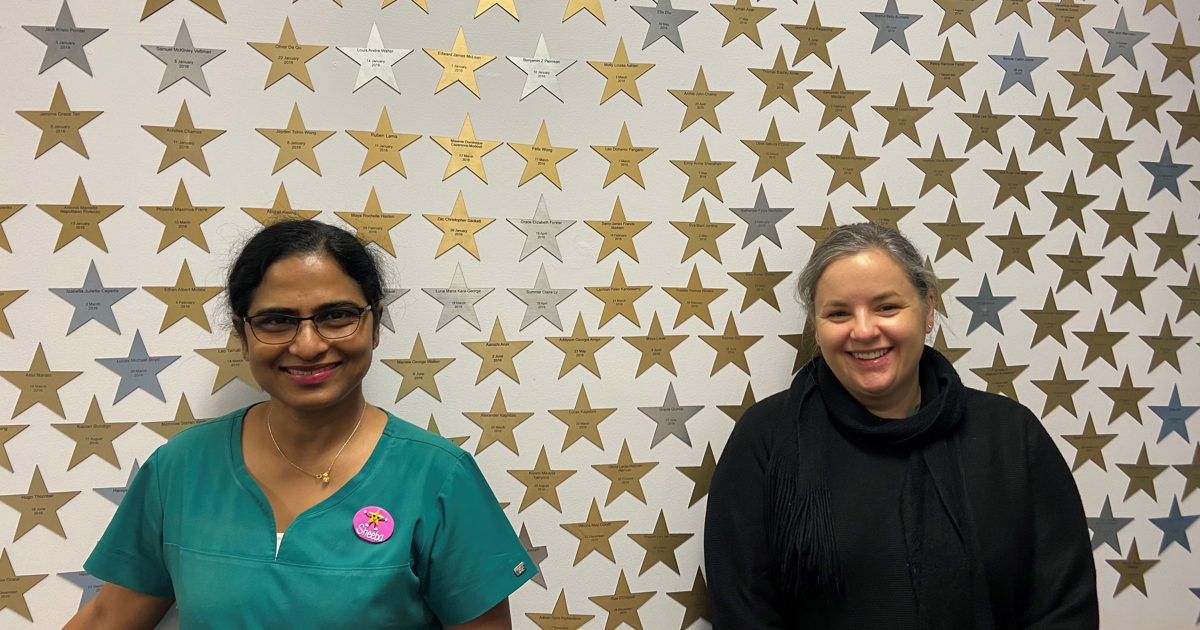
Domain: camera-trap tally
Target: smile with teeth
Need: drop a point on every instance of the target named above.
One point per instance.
(301, 371)
(867, 356)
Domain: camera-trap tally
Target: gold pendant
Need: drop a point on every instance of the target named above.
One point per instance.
(324, 477)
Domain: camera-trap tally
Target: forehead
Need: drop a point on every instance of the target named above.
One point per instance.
(305, 280)
(870, 272)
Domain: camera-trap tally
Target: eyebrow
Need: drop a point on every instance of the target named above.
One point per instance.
(876, 298)
(281, 310)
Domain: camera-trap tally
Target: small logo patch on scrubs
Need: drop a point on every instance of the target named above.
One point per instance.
(373, 524)
(519, 570)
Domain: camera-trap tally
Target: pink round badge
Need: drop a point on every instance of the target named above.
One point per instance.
(373, 524)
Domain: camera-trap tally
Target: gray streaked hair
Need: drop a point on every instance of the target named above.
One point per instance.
(848, 240)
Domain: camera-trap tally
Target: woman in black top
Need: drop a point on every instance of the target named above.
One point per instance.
(878, 491)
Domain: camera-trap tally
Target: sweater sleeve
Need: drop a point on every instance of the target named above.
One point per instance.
(1062, 593)
(740, 570)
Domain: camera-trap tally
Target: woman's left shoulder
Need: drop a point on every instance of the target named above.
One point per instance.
(997, 415)
(404, 434)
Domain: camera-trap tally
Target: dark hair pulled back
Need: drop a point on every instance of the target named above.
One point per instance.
(288, 238)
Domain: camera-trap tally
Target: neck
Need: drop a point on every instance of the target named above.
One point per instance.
(895, 410)
(315, 431)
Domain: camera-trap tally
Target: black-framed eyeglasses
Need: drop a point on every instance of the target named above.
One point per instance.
(334, 323)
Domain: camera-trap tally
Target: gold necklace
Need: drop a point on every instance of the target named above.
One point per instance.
(322, 477)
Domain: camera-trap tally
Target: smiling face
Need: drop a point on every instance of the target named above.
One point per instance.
(310, 372)
(870, 325)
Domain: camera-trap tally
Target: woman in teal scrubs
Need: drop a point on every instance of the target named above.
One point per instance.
(312, 509)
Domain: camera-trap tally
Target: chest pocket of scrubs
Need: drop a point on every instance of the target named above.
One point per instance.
(223, 591)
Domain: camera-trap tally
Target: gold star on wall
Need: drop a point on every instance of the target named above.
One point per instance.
(39, 384)
(985, 125)
(847, 167)
(1049, 321)
(901, 117)
(938, 170)
(458, 64)
(1075, 266)
(624, 476)
(591, 6)
(60, 124)
(731, 347)
(183, 141)
(372, 225)
(1105, 149)
(622, 606)
(701, 475)
(7, 298)
(418, 370)
(509, 6)
(183, 419)
(497, 353)
(1012, 180)
(838, 101)
(1191, 474)
(1089, 445)
(1188, 121)
(743, 20)
(940, 344)
(884, 212)
(79, 218)
(288, 57)
(1069, 204)
(185, 300)
(1068, 17)
(560, 618)
(812, 38)
(1120, 221)
(772, 153)
(1060, 391)
(1165, 346)
(15, 587)
(541, 482)
(497, 424)
(660, 545)
(695, 602)
(181, 219)
(1000, 376)
(466, 151)
(1188, 294)
(953, 233)
(624, 159)
(618, 233)
(541, 158)
(1126, 398)
(579, 349)
(655, 347)
(759, 283)
(93, 436)
(38, 506)
(701, 102)
(1141, 475)
(694, 299)
(1085, 83)
(779, 82)
(1144, 104)
(958, 12)
(1015, 245)
(947, 72)
(458, 228)
(1020, 8)
(281, 210)
(618, 298)
(1047, 127)
(1099, 342)
(7, 210)
(1132, 571)
(621, 75)
(231, 363)
(582, 420)
(1177, 53)
(383, 144)
(212, 6)
(702, 234)
(1171, 244)
(296, 142)
(1128, 287)
(702, 172)
(818, 233)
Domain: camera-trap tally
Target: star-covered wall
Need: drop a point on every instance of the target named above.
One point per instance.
(592, 213)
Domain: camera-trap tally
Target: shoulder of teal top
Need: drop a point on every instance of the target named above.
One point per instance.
(204, 432)
(400, 429)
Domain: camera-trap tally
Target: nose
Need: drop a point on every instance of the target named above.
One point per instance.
(864, 326)
(308, 343)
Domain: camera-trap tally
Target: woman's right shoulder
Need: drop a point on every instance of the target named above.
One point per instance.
(760, 422)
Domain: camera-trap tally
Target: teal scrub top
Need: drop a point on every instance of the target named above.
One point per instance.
(196, 527)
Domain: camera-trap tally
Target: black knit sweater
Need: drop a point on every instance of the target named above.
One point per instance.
(1028, 518)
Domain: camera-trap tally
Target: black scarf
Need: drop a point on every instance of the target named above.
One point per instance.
(939, 535)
